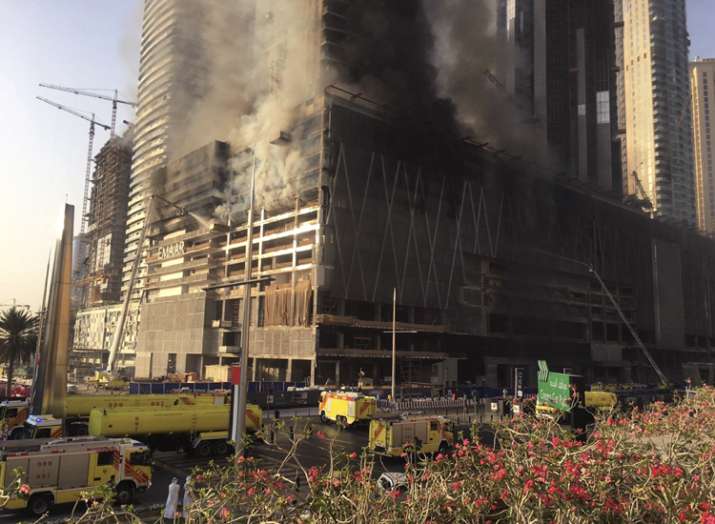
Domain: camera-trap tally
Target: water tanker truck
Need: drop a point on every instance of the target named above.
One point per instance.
(202, 430)
(14, 415)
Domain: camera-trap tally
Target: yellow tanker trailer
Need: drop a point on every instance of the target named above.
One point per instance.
(200, 429)
(77, 408)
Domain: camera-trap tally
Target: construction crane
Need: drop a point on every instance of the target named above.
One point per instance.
(115, 100)
(90, 150)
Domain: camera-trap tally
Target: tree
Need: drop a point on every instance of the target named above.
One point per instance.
(18, 337)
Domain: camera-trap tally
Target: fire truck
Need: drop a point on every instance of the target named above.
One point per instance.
(37, 475)
(392, 437)
(346, 408)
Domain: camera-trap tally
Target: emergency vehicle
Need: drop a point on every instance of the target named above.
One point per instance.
(59, 471)
(346, 408)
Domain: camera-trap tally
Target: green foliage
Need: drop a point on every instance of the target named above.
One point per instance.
(18, 338)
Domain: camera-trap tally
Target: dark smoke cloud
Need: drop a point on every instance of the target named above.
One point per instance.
(389, 59)
(424, 58)
(466, 48)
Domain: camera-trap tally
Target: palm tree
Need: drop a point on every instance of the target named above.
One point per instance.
(18, 337)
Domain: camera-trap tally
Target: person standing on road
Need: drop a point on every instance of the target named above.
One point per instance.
(172, 500)
(188, 498)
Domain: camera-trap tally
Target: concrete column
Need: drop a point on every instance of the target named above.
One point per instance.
(255, 366)
(312, 372)
(337, 372)
(289, 370)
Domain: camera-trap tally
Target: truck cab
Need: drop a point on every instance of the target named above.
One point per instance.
(46, 426)
(13, 413)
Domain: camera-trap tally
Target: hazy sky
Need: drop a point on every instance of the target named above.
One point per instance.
(85, 43)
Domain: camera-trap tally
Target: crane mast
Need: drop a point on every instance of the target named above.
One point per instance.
(90, 151)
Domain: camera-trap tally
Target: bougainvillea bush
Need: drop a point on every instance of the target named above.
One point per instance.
(651, 466)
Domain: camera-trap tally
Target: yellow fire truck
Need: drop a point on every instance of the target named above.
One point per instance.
(59, 471)
(346, 408)
(418, 434)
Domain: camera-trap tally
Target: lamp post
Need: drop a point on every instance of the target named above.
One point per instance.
(240, 420)
(394, 343)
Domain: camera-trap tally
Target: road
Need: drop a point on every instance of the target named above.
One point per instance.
(313, 451)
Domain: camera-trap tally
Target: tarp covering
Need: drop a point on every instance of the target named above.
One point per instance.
(286, 305)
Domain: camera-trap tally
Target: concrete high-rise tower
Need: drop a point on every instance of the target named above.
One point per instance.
(156, 76)
(659, 157)
(702, 83)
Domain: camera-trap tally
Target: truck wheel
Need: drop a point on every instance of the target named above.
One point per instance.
(323, 418)
(39, 504)
(124, 493)
(342, 422)
(203, 450)
(220, 448)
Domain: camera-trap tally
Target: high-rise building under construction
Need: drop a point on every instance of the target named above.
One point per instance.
(357, 198)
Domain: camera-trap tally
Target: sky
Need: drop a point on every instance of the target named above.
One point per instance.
(90, 44)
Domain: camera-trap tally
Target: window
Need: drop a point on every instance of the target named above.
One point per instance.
(433, 425)
(171, 363)
(105, 458)
(140, 458)
(603, 108)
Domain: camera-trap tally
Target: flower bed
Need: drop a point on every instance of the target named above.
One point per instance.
(656, 465)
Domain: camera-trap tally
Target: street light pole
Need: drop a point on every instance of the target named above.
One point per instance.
(246, 323)
(394, 344)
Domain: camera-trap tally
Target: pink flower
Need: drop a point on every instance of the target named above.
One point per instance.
(313, 474)
(439, 457)
(528, 485)
(320, 435)
(251, 492)
(499, 474)
(455, 486)
(394, 494)
(353, 455)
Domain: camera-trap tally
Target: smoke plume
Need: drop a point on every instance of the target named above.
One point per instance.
(258, 61)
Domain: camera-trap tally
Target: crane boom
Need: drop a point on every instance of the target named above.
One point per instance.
(85, 92)
(90, 153)
(89, 119)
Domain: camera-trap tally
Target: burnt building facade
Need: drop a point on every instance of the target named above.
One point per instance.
(489, 265)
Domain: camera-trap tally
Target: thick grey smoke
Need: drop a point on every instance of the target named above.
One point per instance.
(260, 60)
(472, 62)
(213, 73)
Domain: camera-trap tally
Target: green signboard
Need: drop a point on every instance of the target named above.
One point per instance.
(554, 388)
